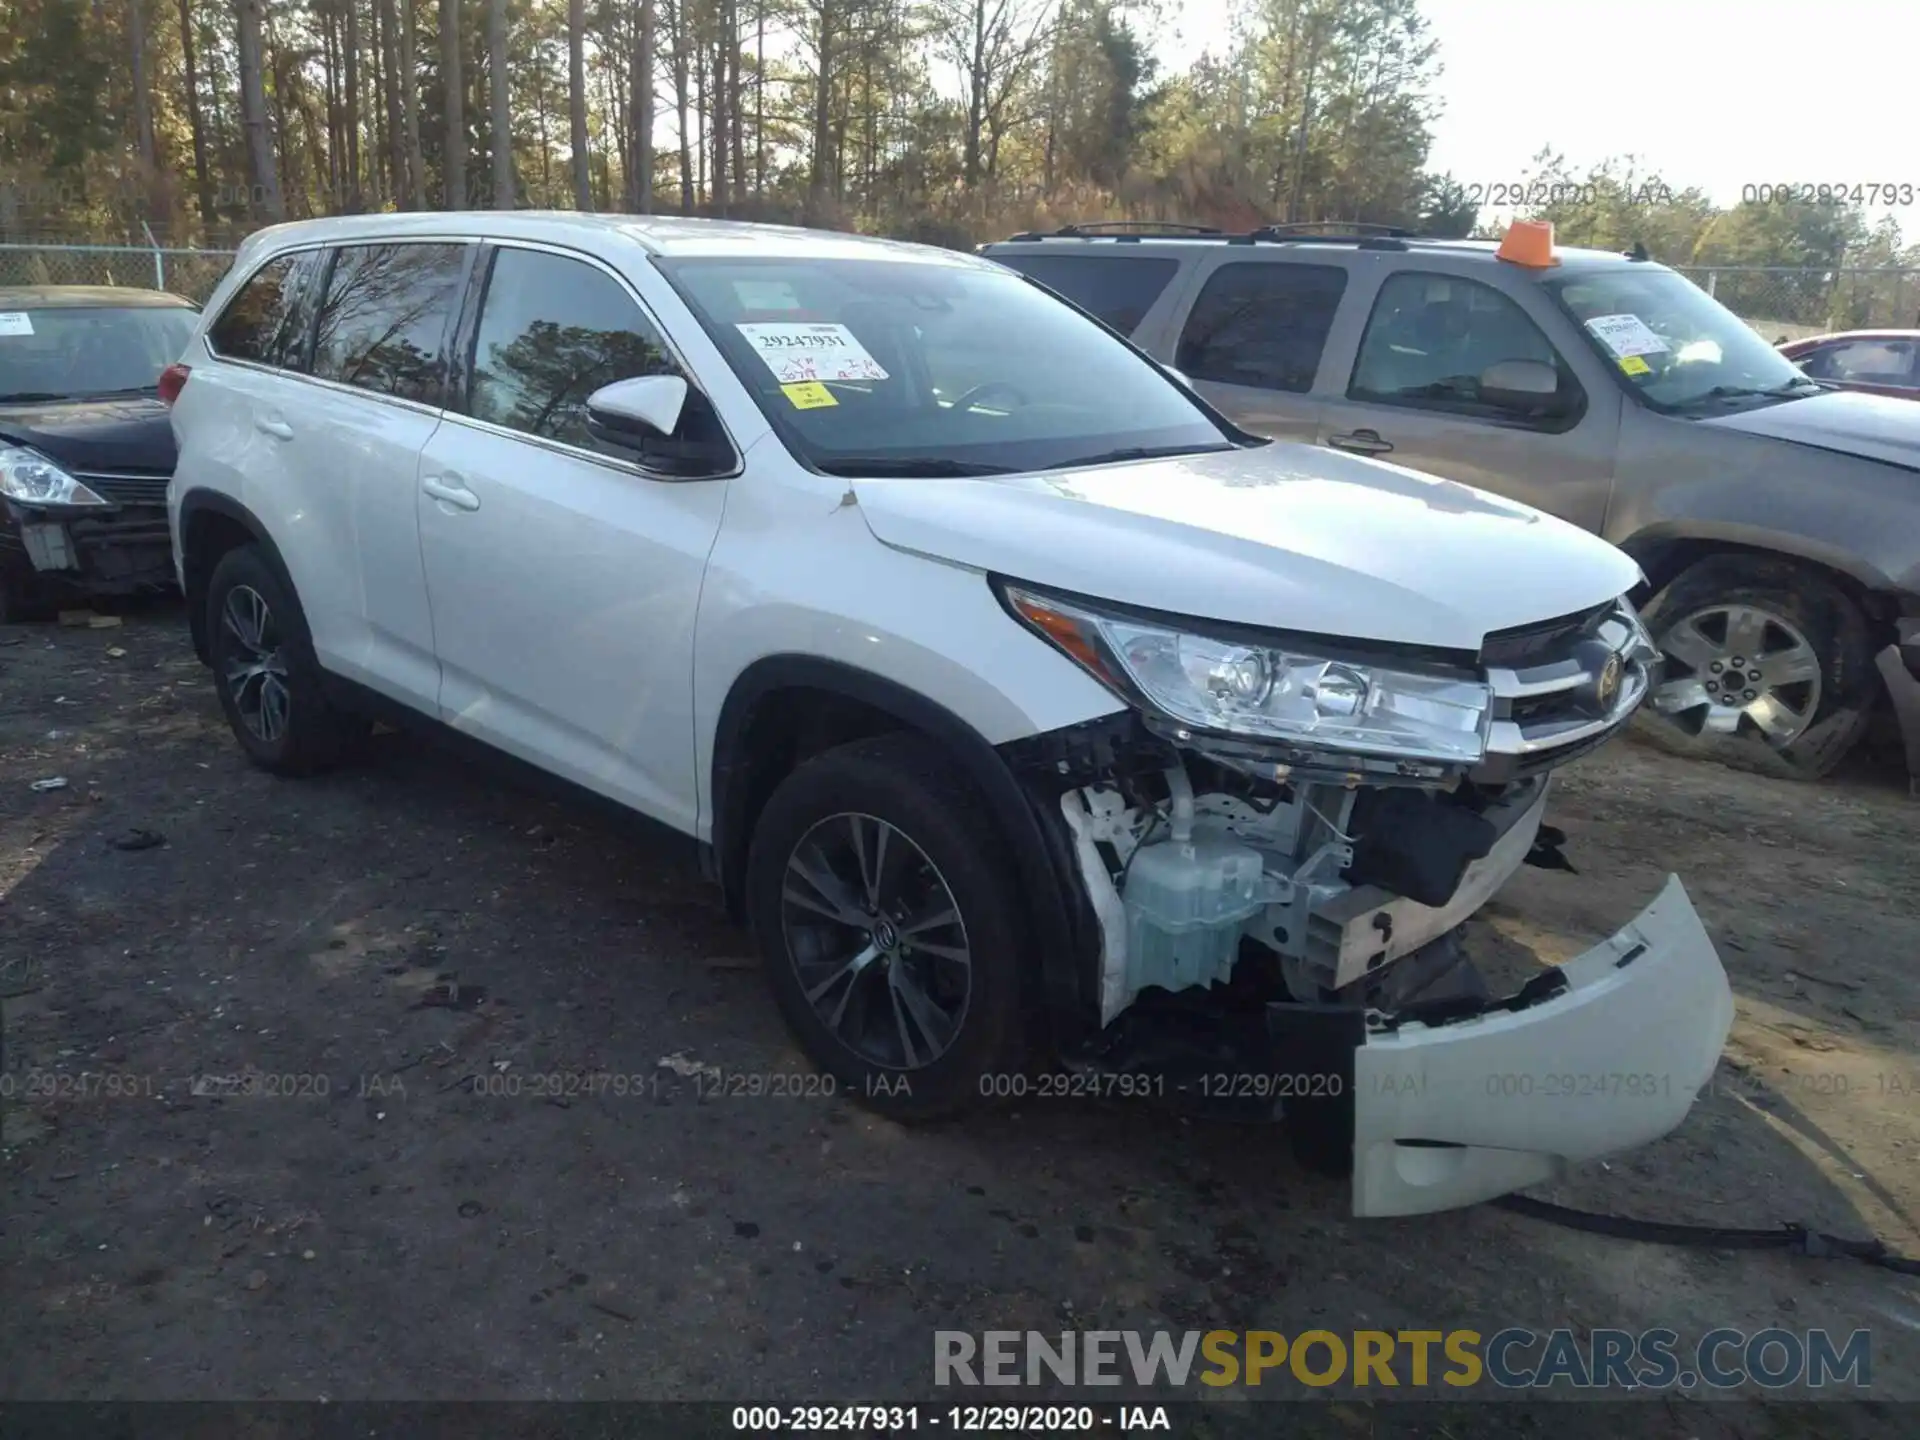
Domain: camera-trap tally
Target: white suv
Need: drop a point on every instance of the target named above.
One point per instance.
(1022, 704)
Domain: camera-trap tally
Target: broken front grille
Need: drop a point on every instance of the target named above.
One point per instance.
(1561, 687)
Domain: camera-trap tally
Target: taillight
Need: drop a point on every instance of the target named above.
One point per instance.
(173, 380)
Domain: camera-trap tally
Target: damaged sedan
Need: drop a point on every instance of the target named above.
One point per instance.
(1038, 720)
(85, 447)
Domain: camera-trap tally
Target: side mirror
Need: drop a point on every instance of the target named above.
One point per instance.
(629, 413)
(1520, 385)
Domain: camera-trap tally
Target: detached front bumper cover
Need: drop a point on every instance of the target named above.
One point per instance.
(1448, 1108)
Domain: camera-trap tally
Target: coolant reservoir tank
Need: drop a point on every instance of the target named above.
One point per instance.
(1186, 902)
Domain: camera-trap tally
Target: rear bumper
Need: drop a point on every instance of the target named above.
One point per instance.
(1451, 1108)
(89, 550)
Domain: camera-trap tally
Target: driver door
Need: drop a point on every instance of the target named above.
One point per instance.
(1404, 401)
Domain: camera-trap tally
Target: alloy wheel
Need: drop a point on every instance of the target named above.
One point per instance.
(875, 938)
(254, 667)
(1741, 663)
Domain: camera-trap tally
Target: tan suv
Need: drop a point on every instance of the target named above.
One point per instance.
(1776, 518)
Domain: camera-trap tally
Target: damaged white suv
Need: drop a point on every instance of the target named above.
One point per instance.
(1023, 705)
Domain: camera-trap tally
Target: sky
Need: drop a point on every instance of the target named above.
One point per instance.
(1711, 93)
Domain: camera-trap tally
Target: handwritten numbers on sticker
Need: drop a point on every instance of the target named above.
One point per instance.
(1634, 365)
(1626, 335)
(797, 353)
(15, 322)
(808, 395)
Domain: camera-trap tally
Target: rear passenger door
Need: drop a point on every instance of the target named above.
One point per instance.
(352, 444)
(1413, 396)
(1253, 341)
(563, 577)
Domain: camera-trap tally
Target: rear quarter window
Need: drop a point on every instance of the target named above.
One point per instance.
(1117, 289)
(268, 319)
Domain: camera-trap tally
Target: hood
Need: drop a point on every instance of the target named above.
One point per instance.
(125, 433)
(1876, 427)
(1286, 536)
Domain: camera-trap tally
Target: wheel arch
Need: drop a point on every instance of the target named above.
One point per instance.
(1663, 553)
(782, 709)
(211, 524)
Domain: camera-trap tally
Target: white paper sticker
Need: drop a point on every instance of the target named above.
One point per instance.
(811, 352)
(15, 322)
(1626, 335)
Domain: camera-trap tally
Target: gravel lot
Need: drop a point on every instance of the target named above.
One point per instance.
(411, 942)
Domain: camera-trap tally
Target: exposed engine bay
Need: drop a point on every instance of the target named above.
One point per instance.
(1189, 867)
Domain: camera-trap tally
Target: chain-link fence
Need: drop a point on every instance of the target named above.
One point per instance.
(1789, 304)
(192, 273)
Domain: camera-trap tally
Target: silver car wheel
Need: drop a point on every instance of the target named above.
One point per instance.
(1729, 663)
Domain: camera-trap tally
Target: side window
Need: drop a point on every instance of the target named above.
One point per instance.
(1119, 289)
(552, 331)
(1261, 325)
(267, 320)
(1432, 339)
(384, 322)
(1869, 362)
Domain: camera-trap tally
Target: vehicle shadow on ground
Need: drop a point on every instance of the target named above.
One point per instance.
(346, 1072)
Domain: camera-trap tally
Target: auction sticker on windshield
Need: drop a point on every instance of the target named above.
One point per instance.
(811, 352)
(1626, 335)
(808, 395)
(15, 322)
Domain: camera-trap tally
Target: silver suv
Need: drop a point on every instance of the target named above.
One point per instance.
(1776, 519)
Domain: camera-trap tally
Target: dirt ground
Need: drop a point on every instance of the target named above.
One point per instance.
(409, 942)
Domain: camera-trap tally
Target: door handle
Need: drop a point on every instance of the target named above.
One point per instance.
(273, 425)
(1360, 442)
(450, 492)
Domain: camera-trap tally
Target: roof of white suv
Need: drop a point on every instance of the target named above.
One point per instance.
(665, 235)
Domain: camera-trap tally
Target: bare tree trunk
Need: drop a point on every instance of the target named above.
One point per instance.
(502, 105)
(738, 128)
(818, 177)
(717, 107)
(202, 176)
(682, 85)
(641, 111)
(759, 98)
(142, 98)
(454, 162)
(387, 38)
(577, 102)
(253, 104)
(355, 199)
(409, 74)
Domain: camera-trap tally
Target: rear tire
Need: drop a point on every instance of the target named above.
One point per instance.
(269, 683)
(857, 862)
(1795, 683)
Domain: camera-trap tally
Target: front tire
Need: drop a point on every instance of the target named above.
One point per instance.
(263, 663)
(886, 914)
(1769, 667)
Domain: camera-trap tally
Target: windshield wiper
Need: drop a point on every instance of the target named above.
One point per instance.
(909, 467)
(1782, 391)
(1137, 452)
(22, 396)
(123, 390)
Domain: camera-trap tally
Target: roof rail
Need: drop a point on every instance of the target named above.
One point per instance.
(1095, 227)
(1366, 236)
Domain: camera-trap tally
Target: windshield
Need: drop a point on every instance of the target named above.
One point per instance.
(877, 367)
(1677, 345)
(71, 352)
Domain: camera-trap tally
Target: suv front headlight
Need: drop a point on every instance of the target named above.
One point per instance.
(28, 476)
(1273, 692)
